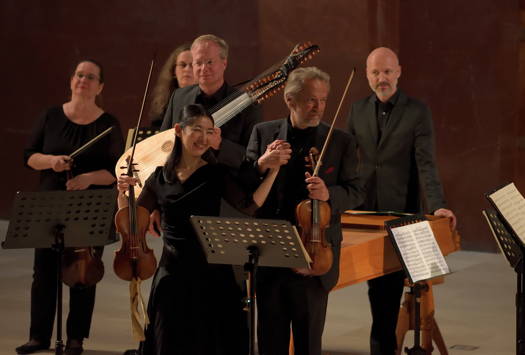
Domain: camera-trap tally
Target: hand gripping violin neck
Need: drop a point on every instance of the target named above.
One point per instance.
(313, 216)
(134, 260)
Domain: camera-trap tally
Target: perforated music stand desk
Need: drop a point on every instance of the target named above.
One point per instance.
(86, 217)
(513, 250)
(58, 219)
(250, 242)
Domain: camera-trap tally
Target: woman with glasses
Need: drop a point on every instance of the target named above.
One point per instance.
(59, 132)
(176, 73)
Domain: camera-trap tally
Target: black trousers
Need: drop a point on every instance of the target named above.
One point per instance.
(43, 301)
(284, 298)
(385, 294)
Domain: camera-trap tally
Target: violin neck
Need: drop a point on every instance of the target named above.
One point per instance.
(315, 212)
(132, 210)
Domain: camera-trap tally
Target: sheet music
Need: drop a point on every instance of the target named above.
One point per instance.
(420, 251)
(511, 205)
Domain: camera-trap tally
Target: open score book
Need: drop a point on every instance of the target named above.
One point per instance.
(417, 248)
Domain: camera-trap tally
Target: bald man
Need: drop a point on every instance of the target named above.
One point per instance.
(398, 170)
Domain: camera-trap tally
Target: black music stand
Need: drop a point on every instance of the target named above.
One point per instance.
(250, 242)
(59, 219)
(417, 284)
(513, 250)
(143, 133)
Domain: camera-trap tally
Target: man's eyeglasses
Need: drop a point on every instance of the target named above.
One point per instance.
(207, 63)
(90, 77)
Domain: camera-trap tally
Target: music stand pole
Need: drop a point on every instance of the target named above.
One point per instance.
(60, 219)
(415, 289)
(58, 247)
(251, 268)
(520, 308)
(263, 242)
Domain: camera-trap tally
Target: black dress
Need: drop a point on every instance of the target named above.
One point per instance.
(55, 134)
(194, 307)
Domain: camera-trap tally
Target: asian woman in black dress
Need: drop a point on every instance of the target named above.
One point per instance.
(59, 132)
(194, 307)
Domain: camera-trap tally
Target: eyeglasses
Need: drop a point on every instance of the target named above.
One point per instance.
(90, 77)
(207, 63)
(183, 65)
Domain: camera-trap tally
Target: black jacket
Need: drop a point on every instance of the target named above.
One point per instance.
(401, 168)
(338, 172)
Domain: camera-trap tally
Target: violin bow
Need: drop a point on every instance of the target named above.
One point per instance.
(135, 134)
(329, 135)
(90, 143)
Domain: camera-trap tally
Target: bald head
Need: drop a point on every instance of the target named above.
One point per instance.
(382, 53)
(383, 71)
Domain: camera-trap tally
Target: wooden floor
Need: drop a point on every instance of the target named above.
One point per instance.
(475, 308)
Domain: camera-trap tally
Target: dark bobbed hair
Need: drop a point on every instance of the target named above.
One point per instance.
(190, 114)
(90, 60)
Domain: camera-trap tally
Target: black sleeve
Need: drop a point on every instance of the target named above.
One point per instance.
(348, 192)
(235, 194)
(116, 146)
(426, 162)
(148, 196)
(167, 121)
(233, 153)
(248, 172)
(36, 139)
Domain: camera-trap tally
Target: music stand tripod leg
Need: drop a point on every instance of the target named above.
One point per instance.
(403, 322)
(438, 338)
(58, 247)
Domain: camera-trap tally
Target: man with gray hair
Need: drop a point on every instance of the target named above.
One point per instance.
(288, 297)
(210, 59)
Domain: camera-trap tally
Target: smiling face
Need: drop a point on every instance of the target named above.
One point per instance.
(307, 106)
(85, 81)
(208, 66)
(184, 69)
(383, 71)
(195, 136)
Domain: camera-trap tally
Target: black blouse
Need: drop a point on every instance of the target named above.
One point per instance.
(199, 195)
(56, 134)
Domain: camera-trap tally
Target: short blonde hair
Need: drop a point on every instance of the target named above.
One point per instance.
(223, 46)
(296, 80)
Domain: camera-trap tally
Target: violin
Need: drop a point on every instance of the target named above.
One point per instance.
(81, 267)
(134, 260)
(313, 216)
